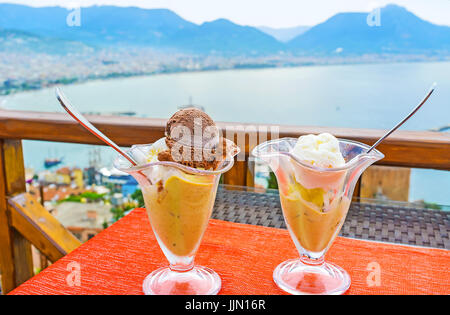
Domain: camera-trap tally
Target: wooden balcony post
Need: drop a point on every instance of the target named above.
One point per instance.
(390, 182)
(16, 263)
(237, 175)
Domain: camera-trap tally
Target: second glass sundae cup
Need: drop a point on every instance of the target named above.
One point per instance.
(315, 202)
(179, 200)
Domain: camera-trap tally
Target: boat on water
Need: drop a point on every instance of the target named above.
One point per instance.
(48, 163)
(191, 105)
(441, 129)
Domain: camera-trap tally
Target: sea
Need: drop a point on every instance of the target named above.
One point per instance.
(356, 96)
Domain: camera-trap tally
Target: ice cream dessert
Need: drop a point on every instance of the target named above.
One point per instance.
(179, 200)
(192, 139)
(312, 200)
(316, 176)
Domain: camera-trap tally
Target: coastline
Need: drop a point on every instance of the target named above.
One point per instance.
(360, 60)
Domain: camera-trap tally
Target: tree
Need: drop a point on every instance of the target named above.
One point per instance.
(272, 181)
(137, 195)
(118, 213)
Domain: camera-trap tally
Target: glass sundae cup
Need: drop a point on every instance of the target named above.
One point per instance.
(315, 202)
(179, 200)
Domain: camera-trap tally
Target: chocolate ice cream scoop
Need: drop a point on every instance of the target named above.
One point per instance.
(193, 140)
(190, 125)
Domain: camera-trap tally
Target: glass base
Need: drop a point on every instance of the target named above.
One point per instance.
(197, 281)
(296, 277)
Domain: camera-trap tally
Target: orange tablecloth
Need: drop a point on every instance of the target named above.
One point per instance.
(117, 260)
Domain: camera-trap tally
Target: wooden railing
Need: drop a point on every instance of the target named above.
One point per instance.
(421, 149)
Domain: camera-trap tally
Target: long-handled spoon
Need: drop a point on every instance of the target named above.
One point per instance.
(65, 103)
(404, 119)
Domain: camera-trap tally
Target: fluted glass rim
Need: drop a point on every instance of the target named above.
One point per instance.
(224, 166)
(373, 155)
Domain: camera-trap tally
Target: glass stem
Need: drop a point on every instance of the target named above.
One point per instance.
(312, 261)
(182, 267)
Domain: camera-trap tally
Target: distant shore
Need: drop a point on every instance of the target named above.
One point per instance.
(12, 86)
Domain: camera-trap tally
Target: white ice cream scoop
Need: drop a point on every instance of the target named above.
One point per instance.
(319, 150)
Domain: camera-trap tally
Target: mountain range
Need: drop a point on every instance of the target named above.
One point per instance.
(13, 41)
(400, 32)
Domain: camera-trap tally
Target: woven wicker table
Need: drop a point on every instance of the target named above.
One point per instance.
(396, 222)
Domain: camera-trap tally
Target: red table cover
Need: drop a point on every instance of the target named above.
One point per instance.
(117, 260)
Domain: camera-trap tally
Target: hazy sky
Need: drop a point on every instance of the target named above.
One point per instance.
(273, 13)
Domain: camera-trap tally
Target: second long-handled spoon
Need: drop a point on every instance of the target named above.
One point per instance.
(65, 103)
(404, 119)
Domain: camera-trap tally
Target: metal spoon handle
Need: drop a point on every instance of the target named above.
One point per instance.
(404, 119)
(65, 103)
